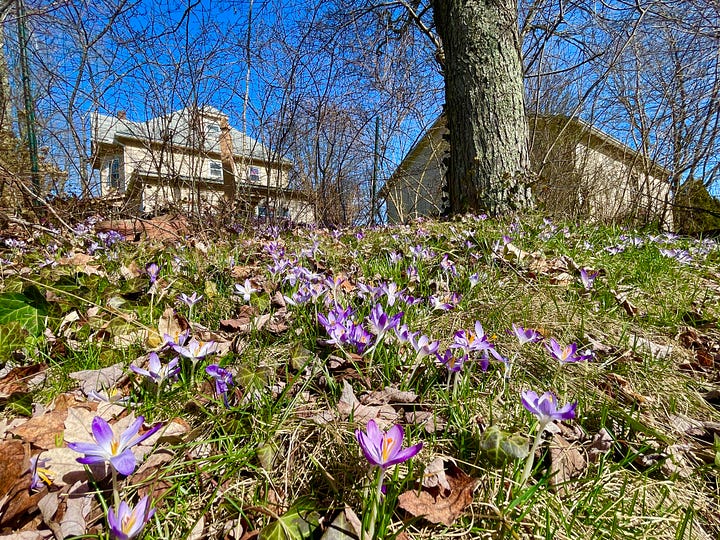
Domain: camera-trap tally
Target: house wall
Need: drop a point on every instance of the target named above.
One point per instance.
(575, 176)
(620, 189)
(416, 190)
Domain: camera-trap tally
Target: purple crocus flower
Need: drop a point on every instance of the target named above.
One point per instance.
(477, 341)
(384, 449)
(450, 361)
(381, 322)
(156, 372)
(153, 272)
(567, 354)
(358, 337)
(525, 335)
(587, 279)
(403, 333)
(195, 350)
(126, 523)
(423, 346)
(191, 300)
(40, 475)
(223, 380)
(245, 290)
(447, 265)
(108, 447)
(545, 407)
(474, 280)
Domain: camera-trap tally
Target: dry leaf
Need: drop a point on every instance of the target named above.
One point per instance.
(345, 526)
(44, 431)
(150, 476)
(19, 380)
(600, 445)
(389, 395)
(349, 405)
(97, 380)
(430, 421)
(438, 505)
(566, 463)
(78, 504)
(434, 475)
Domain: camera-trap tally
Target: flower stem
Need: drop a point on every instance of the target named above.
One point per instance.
(531, 457)
(376, 502)
(116, 490)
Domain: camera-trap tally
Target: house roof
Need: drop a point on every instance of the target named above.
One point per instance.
(181, 128)
(596, 138)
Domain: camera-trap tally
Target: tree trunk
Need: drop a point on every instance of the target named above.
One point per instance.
(484, 100)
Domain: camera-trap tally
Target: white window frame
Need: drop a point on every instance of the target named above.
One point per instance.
(254, 175)
(114, 172)
(215, 169)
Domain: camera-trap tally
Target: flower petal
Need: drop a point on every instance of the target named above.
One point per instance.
(124, 463)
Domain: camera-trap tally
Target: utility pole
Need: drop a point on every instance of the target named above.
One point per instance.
(27, 96)
(373, 185)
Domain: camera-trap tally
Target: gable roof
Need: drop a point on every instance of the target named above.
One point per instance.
(183, 128)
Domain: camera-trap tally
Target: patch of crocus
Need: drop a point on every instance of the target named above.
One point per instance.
(545, 408)
(153, 271)
(178, 338)
(40, 475)
(525, 335)
(245, 290)
(111, 448)
(567, 354)
(587, 279)
(384, 449)
(403, 333)
(223, 380)
(474, 279)
(126, 523)
(156, 371)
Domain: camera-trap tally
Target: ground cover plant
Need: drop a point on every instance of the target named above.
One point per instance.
(476, 378)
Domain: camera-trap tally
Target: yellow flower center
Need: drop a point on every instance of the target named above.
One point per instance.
(128, 522)
(387, 447)
(114, 445)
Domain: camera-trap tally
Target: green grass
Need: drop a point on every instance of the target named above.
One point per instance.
(246, 465)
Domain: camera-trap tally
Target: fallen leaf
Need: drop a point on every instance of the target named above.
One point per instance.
(600, 445)
(438, 505)
(389, 395)
(151, 475)
(19, 380)
(43, 431)
(97, 380)
(566, 463)
(434, 475)
(430, 421)
(77, 508)
(349, 405)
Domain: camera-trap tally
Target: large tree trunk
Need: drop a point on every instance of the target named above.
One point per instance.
(484, 101)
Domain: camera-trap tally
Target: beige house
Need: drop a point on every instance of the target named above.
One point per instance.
(579, 171)
(194, 161)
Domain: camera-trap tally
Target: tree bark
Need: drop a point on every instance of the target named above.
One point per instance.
(484, 101)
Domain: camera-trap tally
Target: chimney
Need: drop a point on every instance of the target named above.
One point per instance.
(228, 162)
(122, 115)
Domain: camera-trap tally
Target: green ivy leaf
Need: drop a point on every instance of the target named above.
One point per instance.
(297, 523)
(501, 446)
(12, 338)
(29, 309)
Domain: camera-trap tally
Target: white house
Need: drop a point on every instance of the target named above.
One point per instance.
(194, 161)
(578, 171)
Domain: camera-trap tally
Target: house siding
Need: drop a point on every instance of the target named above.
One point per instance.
(578, 172)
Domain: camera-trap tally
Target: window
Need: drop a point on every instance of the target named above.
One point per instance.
(115, 173)
(215, 169)
(286, 212)
(254, 175)
(262, 211)
(212, 130)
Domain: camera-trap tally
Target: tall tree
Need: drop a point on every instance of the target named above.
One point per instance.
(484, 99)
